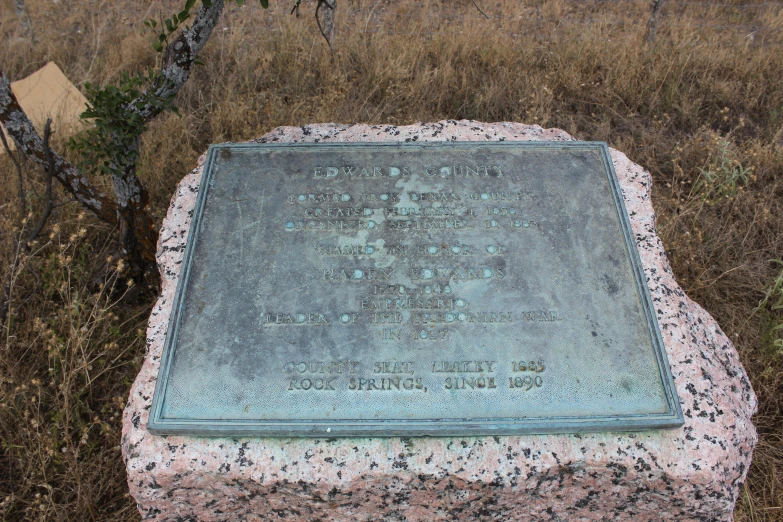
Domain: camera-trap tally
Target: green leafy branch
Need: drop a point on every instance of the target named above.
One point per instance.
(170, 25)
(116, 111)
(110, 144)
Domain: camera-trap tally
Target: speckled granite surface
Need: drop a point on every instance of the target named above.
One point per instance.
(690, 473)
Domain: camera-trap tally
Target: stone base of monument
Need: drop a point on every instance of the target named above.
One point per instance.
(690, 473)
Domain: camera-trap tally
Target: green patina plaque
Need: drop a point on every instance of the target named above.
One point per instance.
(411, 289)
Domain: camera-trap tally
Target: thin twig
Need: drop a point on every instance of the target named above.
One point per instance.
(6, 300)
(48, 203)
(479, 9)
(5, 304)
(22, 199)
(55, 206)
(330, 28)
(26, 164)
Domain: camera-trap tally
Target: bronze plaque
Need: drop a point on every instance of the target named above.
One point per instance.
(411, 289)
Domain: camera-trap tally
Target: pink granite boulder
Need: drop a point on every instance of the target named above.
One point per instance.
(690, 473)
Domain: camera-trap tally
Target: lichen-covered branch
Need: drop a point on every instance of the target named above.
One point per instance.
(178, 60)
(21, 129)
(137, 232)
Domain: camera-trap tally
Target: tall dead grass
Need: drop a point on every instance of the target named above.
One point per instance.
(702, 109)
(66, 362)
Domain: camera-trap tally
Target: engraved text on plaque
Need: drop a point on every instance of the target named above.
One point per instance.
(411, 289)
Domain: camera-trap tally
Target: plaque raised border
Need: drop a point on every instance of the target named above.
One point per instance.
(159, 424)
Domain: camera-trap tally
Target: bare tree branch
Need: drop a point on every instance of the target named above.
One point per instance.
(479, 9)
(21, 129)
(49, 174)
(327, 29)
(20, 182)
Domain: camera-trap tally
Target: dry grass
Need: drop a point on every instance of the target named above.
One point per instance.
(702, 110)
